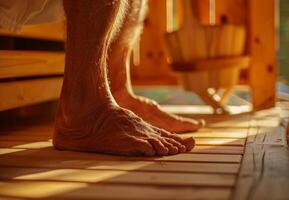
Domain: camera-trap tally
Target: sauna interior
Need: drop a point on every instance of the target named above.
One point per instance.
(224, 61)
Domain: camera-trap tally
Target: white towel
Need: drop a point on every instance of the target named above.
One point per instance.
(15, 13)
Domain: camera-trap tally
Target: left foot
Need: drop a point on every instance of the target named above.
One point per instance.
(151, 112)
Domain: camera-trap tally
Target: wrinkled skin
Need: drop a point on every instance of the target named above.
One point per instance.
(88, 117)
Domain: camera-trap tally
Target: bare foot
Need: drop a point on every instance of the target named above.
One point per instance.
(151, 112)
(118, 131)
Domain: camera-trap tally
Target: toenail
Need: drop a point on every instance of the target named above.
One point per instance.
(183, 148)
(202, 122)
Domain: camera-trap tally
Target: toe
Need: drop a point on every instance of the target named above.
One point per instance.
(189, 143)
(159, 147)
(145, 148)
(173, 149)
(175, 137)
(202, 123)
(181, 148)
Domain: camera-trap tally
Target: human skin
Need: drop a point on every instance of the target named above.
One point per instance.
(88, 117)
(119, 75)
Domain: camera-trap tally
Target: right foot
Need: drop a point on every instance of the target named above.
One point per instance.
(118, 131)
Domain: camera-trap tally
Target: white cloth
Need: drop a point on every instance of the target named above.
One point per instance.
(15, 13)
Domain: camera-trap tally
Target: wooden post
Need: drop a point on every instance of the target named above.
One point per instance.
(262, 47)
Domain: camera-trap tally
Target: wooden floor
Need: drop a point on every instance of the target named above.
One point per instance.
(237, 159)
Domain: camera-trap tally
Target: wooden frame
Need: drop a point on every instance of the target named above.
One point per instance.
(259, 16)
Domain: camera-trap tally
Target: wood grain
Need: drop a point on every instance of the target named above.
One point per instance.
(110, 176)
(265, 166)
(54, 31)
(48, 151)
(262, 48)
(60, 163)
(69, 190)
(15, 64)
(27, 92)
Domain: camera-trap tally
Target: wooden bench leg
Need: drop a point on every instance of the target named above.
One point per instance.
(227, 93)
(217, 106)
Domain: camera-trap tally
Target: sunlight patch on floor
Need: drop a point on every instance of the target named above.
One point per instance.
(8, 150)
(35, 145)
(32, 190)
(69, 174)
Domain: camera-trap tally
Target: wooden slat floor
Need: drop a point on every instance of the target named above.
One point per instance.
(30, 168)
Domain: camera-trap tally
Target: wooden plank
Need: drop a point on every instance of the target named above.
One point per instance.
(223, 141)
(269, 122)
(25, 144)
(239, 123)
(27, 128)
(219, 134)
(271, 113)
(60, 163)
(120, 177)
(27, 92)
(9, 150)
(50, 152)
(218, 149)
(262, 48)
(24, 137)
(69, 190)
(265, 167)
(186, 157)
(30, 63)
(222, 130)
(50, 31)
(252, 132)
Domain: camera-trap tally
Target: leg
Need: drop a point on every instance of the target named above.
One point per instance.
(119, 64)
(88, 117)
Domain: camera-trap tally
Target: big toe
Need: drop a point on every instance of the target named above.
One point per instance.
(143, 147)
(182, 144)
(189, 143)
